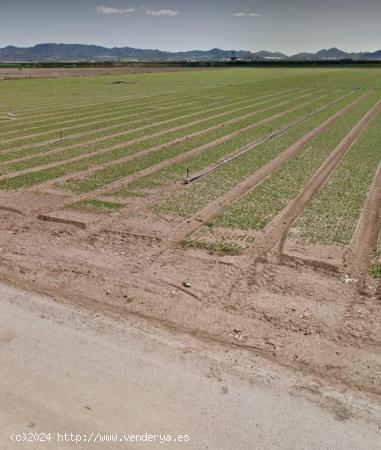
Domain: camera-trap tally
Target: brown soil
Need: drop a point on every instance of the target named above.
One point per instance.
(137, 140)
(119, 183)
(121, 265)
(40, 111)
(277, 229)
(324, 255)
(249, 183)
(119, 106)
(73, 123)
(366, 234)
(126, 143)
(302, 315)
(101, 118)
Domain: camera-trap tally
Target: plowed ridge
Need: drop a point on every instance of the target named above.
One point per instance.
(92, 164)
(241, 189)
(23, 141)
(274, 232)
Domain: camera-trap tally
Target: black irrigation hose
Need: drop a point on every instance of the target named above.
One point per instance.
(272, 135)
(60, 139)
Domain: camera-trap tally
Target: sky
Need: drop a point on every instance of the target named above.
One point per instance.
(288, 26)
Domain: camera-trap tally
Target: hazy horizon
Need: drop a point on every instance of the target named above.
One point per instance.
(289, 27)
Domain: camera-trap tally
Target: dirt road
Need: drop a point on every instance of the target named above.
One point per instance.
(69, 371)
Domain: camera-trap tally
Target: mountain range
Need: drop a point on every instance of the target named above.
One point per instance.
(79, 52)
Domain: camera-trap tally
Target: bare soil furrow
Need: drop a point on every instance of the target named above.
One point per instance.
(88, 118)
(98, 130)
(65, 125)
(142, 139)
(108, 227)
(109, 128)
(214, 208)
(101, 118)
(60, 107)
(140, 174)
(276, 230)
(364, 240)
(55, 110)
(21, 117)
(159, 104)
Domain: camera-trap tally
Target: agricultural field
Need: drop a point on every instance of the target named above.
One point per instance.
(237, 204)
(332, 216)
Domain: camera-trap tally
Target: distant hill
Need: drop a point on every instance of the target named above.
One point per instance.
(336, 54)
(332, 53)
(79, 52)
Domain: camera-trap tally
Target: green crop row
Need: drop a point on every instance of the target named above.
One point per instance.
(221, 241)
(61, 99)
(117, 123)
(96, 206)
(99, 92)
(95, 102)
(27, 97)
(124, 150)
(197, 163)
(220, 248)
(115, 103)
(206, 121)
(105, 138)
(92, 108)
(14, 128)
(123, 116)
(198, 195)
(63, 122)
(256, 209)
(121, 170)
(332, 216)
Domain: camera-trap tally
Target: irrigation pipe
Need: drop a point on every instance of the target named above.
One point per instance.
(271, 136)
(60, 139)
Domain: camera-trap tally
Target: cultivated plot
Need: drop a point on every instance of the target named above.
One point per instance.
(241, 204)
